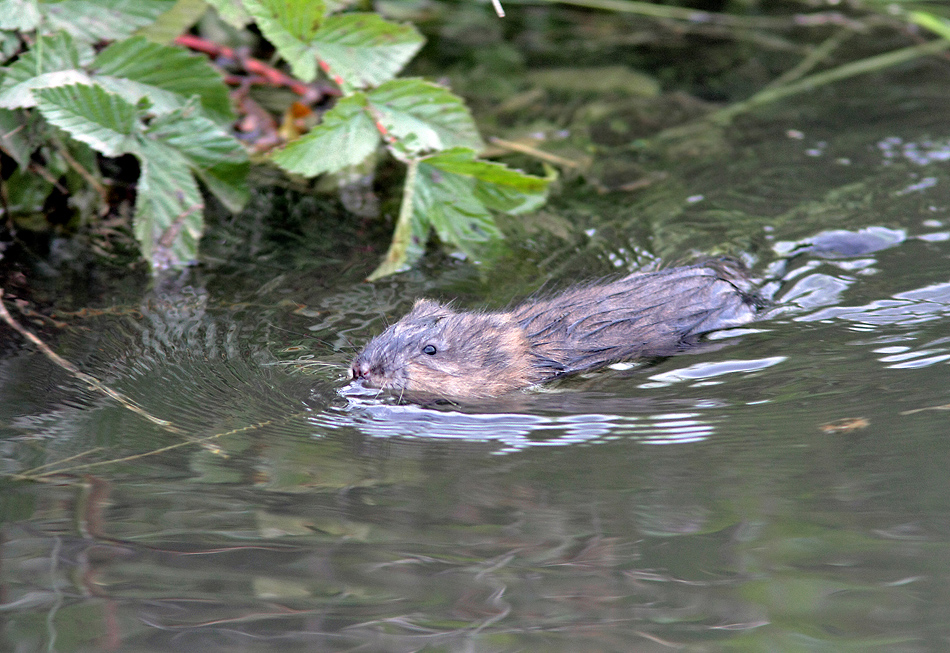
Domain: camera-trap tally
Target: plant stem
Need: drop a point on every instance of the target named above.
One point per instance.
(871, 64)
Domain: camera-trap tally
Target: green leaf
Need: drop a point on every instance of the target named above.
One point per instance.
(168, 207)
(176, 21)
(168, 76)
(346, 136)
(411, 233)
(233, 13)
(52, 61)
(19, 15)
(102, 20)
(454, 193)
(361, 49)
(26, 195)
(216, 157)
(92, 115)
(290, 25)
(423, 117)
(496, 185)
(14, 136)
(449, 201)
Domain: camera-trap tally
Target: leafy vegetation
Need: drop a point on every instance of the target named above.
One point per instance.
(85, 83)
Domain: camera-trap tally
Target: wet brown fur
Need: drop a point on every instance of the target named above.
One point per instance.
(481, 355)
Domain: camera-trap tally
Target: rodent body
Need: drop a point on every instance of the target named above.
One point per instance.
(469, 355)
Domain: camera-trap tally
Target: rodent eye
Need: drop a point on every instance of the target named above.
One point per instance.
(429, 350)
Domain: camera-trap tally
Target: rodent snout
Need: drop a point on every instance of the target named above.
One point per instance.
(359, 370)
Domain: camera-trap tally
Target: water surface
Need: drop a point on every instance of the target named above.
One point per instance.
(785, 489)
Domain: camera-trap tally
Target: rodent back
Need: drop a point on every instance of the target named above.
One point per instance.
(641, 315)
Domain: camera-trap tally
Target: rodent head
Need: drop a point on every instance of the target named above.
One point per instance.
(438, 351)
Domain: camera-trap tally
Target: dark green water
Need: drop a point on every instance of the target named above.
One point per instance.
(786, 491)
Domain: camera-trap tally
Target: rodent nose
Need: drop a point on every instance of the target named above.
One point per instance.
(359, 370)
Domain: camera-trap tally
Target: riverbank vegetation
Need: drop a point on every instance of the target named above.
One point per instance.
(122, 123)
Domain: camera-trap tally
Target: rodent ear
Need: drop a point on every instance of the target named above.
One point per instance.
(429, 308)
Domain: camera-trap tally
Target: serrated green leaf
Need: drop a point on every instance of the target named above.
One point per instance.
(290, 25)
(346, 136)
(450, 203)
(52, 61)
(214, 155)
(102, 20)
(412, 231)
(23, 96)
(169, 213)
(362, 50)
(424, 117)
(454, 193)
(233, 13)
(176, 21)
(168, 76)
(497, 186)
(14, 136)
(19, 15)
(92, 115)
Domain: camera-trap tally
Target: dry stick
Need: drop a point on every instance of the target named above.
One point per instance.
(92, 381)
(533, 151)
(32, 472)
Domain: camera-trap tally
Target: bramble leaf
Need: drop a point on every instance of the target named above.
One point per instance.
(176, 21)
(424, 117)
(92, 115)
(171, 148)
(233, 13)
(362, 50)
(452, 192)
(290, 25)
(14, 136)
(346, 136)
(131, 69)
(55, 60)
(102, 20)
(211, 153)
(19, 15)
(169, 212)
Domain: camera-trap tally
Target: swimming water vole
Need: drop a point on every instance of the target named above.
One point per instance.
(471, 355)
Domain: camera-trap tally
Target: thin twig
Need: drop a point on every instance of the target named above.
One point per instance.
(85, 174)
(533, 151)
(27, 476)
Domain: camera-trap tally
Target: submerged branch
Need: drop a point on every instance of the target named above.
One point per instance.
(853, 69)
(91, 381)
